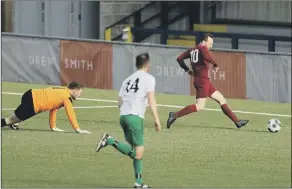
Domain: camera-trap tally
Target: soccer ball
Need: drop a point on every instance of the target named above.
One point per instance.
(274, 125)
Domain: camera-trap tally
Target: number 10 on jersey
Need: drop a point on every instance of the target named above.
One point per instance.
(194, 56)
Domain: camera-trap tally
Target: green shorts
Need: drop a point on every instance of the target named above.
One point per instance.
(133, 127)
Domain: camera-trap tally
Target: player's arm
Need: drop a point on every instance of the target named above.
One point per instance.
(52, 121)
(180, 59)
(72, 116)
(207, 56)
(120, 98)
(152, 103)
(120, 101)
(53, 118)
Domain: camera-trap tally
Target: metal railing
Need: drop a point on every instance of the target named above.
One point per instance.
(233, 36)
(5, 34)
(136, 16)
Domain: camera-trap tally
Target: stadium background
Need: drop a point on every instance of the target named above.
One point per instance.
(95, 43)
(236, 25)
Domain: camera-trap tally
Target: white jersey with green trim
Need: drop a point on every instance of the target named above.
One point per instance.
(134, 93)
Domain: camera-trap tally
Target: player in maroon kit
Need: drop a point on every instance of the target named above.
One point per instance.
(200, 59)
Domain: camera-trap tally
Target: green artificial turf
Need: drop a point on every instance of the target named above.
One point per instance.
(203, 149)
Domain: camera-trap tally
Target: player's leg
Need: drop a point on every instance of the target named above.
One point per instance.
(186, 110)
(200, 104)
(23, 112)
(10, 120)
(134, 133)
(133, 151)
(218, 97)
(108, 140)
(201, 97)
(136, 137)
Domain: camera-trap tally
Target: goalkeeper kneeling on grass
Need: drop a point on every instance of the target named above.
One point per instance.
(51, 99)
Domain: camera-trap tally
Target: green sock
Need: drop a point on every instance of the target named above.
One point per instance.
(110, 141)
(138, 171)
(123, 148)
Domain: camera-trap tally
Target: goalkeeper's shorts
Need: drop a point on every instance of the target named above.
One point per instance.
(26, 109)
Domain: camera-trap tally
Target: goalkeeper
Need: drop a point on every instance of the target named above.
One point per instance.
(35, 101)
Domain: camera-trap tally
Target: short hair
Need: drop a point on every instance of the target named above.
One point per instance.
(141, 60)
(206, 36)
(75, 85)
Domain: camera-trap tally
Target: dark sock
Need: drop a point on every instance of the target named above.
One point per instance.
(123, 148)
(186, 110)
(138, 170)
(3, 123)
(226, 110)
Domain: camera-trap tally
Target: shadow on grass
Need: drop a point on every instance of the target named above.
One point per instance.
(147, 124)
(243, 129)
(84, 120)
(33, 130)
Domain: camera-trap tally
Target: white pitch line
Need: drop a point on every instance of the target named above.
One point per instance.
(236, 111)
(19, 94)
(3, 109)
(87, 107)
(75, 107)
(174, 106)
(97, 100)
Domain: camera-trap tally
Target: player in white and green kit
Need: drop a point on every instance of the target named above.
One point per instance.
(135, 92)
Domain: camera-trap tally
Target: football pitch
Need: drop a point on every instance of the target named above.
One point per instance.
(203, 149)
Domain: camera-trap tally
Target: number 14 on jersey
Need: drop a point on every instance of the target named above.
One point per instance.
(134, 86)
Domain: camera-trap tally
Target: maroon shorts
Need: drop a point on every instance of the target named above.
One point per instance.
(204, 87)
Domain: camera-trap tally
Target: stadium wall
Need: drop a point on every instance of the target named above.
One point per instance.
(268, 77)
(163, 67)
(78, 19)
(86, 62)
(261, 11)
(104, 65)
(31, 60)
